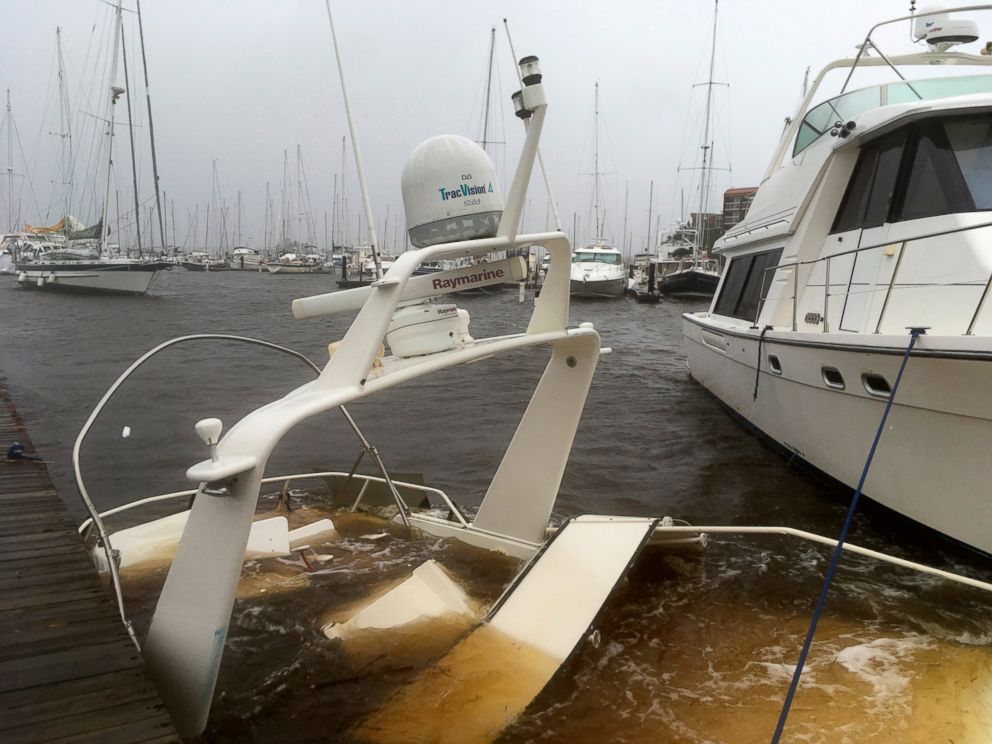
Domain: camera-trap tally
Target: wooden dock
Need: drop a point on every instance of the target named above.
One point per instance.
(68, 670)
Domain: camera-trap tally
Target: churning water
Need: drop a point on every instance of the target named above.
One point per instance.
(693, 648)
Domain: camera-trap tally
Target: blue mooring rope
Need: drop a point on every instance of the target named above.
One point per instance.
(915, 333)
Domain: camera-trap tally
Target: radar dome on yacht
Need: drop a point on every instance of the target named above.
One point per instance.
(941, 32)
(449, 192)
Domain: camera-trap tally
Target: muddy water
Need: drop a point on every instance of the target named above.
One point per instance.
(693, 648)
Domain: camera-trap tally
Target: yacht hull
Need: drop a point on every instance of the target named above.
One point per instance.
(289, 269)
(690, 282)
(933, 463)
(598, 287)
(194, 266)
(107, 279)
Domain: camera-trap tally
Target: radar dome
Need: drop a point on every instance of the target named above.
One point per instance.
(449, 192)
(941, 31)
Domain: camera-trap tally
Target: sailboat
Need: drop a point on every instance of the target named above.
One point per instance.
(698, 276)
(84, 262)
(598, 269)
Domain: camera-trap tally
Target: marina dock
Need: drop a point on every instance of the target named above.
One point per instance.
(68, 670)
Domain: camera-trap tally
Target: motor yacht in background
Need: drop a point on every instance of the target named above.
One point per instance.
(245, 259)
(598, 269)
(875, 215)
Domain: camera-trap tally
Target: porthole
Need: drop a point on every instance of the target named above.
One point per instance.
(876, 385)
(832, 378)
(774, 364)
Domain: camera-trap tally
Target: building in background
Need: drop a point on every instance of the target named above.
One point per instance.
(735, 205)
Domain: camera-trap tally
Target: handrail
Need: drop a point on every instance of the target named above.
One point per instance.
(112, 390)
(903, 243)
(85, 525)
(912, 16)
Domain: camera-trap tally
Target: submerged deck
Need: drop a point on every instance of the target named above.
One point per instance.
(68, 670)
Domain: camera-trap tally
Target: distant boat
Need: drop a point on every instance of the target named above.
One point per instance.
(245, 259)
(202, 261)
(598, 270)
(700, 276)
(81, 269)
(291, 263)
(77, 257)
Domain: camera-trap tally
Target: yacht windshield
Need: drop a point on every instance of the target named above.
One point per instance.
(590, 257)
(821, 119)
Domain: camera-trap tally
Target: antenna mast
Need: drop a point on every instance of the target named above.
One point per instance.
(540, 158)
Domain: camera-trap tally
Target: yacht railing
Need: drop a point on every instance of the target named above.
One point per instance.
(366, 480)
(902, 244)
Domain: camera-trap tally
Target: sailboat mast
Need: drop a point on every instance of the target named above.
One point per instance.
(650, 209)
(151, 128)
(334, 214)
(595, 174)
(626, 202)
(697, 243)
(130, 132)
(115, 93)
(239, 217)
(489, 87)
(265, 234)
(282, 206)
(65, 129)
(344, 196)
(370, 222)
(10, 167)
(300, 221)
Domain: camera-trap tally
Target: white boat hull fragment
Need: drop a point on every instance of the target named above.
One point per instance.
(428, 593)
(157, 540)
(495, 672)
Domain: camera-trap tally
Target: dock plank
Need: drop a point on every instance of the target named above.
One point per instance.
(68, 670)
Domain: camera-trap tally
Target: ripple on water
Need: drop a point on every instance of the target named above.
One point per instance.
(693, 648)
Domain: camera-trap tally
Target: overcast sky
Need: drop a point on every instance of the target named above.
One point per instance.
(241, 81)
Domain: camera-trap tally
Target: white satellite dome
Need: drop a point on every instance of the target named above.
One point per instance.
(941, 31)
(449, 192)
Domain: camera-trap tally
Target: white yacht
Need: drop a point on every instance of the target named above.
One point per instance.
(245, 259)
(292, 263)
(598, 271)
(875, 215)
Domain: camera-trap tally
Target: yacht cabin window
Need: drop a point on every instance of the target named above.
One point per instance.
(746, 283)
(931, 168)
(590, 257)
